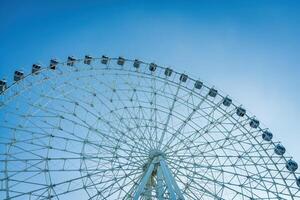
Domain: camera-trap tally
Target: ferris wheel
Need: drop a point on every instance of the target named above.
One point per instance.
(116, 128)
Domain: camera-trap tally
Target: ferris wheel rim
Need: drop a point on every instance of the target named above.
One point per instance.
(178, 74)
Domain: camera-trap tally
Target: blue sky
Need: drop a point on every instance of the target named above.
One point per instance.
(248, 49)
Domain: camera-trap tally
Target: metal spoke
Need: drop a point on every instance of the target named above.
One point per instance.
(118, 128)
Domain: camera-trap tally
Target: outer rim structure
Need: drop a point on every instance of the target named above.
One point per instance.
(10, 177)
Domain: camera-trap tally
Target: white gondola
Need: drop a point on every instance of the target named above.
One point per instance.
(213, 92)
(152, 67)
(298, 181)
(87, 60)
(104, 60)
(279, 149)
(53, 64)
(120, 101)
(254, 123)
(121, 61)
(267, 136)
(136, 63)
(183, 77)
(168, 72)
(71, 61)
(240, 112)
(291, 165)
(3, 85)
(227, 101)
(18, 75)
(36, 69)
(198, 84)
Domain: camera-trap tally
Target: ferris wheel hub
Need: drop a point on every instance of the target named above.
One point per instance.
(155, 153)
(110, 128)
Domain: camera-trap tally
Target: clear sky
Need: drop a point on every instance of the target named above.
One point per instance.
(249, 49)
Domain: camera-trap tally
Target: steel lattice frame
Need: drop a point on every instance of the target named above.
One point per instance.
(92, 131)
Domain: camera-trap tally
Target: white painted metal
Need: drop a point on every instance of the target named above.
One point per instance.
(101, 130)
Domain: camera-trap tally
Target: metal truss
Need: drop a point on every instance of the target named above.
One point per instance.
(115, 128)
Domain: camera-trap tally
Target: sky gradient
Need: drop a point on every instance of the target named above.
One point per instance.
(248, 49)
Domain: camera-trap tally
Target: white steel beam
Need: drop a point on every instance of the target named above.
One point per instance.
(144, 181)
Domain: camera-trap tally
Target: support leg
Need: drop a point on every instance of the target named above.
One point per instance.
(143, 182)
(159, 185)
(172, 185)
